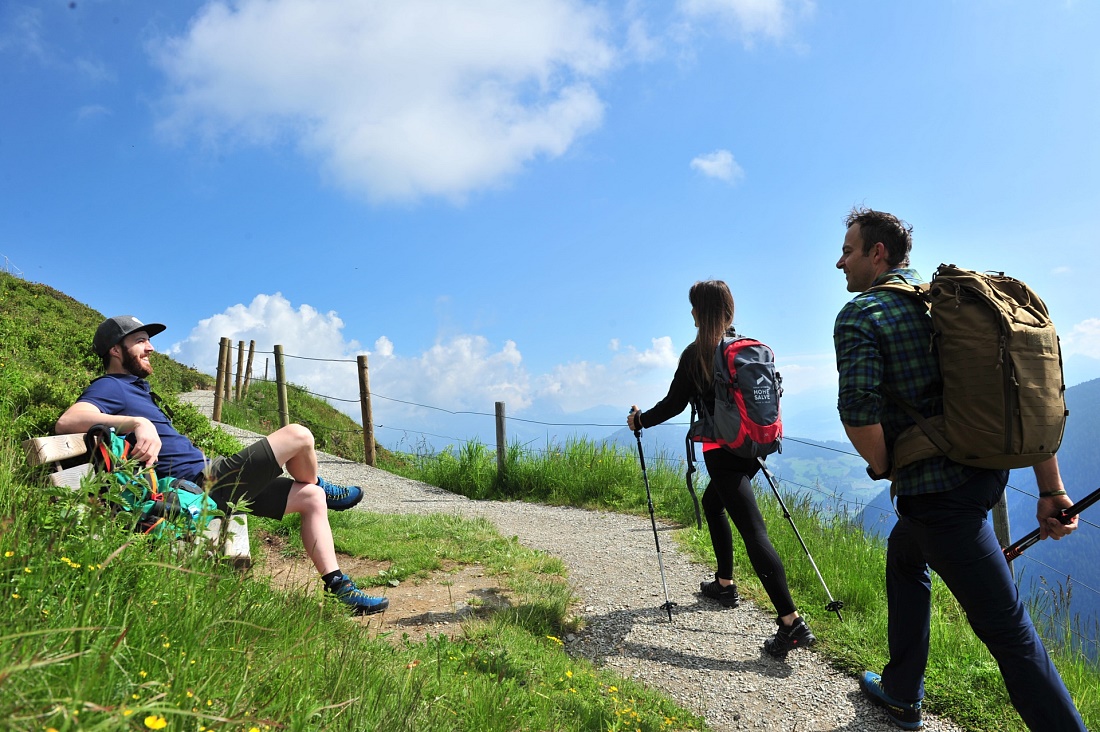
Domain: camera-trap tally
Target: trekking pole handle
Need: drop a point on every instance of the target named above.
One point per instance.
(638, 431)
(1065, 516)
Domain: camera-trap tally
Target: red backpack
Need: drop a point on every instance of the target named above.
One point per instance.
(747, 387)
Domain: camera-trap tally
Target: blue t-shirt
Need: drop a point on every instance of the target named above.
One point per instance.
(129, 395)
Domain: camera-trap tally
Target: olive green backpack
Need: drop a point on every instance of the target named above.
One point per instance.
(1003, 391)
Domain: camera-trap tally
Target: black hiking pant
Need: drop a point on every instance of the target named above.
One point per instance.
(730, 492)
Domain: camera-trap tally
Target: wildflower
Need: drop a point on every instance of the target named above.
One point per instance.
(127, 712)
(143, 673)
(167, 644)
(9, 554)
(15, 595)
(253, 729)
(572, 690)
(612, 689)
(156, 722)
(190, 693)
(134, 696)
(569, 674)
(556, 640)
(27, 570)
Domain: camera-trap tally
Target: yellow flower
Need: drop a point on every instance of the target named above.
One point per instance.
(15, 595)
(612, 689)
(556, 640)
(156, 722)
(143, 673)
(253, 729)
(190, 693)
(9, 554)
(167, 644)
(569, 674)
(27, 570)
(127, 712)
(134, 696)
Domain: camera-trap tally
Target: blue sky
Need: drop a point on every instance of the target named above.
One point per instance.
(504, 201)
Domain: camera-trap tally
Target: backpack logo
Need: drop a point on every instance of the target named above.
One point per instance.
(747, 388)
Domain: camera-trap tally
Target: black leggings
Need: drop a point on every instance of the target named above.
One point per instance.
(730, 491)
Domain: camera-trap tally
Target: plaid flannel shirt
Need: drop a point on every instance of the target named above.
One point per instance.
(885, 339)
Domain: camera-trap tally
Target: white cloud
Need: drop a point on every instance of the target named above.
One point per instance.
(21, 32)
(1063, 270)
(1083, 339)
(748, 18)
(398, 100)
(464, 373)
(719, 164)
(92, 111)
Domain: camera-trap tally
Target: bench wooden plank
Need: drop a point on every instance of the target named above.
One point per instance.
(46, 450)
(51, 450)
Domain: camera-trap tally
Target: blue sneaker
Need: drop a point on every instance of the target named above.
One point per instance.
(906, 716)
(340, 497)
(349, 593)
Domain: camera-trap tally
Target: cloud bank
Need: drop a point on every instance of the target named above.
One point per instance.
(463, 373)
(397, 100)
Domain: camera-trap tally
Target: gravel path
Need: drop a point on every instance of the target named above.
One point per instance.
(709, 658)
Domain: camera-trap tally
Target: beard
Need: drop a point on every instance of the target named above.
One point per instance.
(133, 366)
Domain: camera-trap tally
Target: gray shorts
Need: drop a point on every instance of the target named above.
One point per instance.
(252, 474)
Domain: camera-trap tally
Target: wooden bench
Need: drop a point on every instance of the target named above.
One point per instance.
(61, 450)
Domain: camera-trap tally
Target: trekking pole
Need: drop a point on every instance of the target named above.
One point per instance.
(834, 605)
(687, 476)
(652, 519)
(1015, 550)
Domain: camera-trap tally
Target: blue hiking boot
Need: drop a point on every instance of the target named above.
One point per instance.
(340, 497)
(361, 603)
(903, 714)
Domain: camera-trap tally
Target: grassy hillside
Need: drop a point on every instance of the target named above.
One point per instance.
(104, 629)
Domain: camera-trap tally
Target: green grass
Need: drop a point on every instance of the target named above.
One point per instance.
(102, 629)
(963, 681)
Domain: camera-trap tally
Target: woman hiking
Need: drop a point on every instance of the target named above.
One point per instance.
(730, 488)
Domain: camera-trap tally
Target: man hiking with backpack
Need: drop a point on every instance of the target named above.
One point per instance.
(122, 399)
(886, 369)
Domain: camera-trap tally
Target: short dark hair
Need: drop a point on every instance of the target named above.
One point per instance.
(879, 226)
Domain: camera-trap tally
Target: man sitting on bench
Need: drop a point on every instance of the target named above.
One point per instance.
(122, 399)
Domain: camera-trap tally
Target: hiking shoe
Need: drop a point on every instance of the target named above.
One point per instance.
(726, 595)
(340, 497)
(906, 716)
(348, 593)
(787, 638)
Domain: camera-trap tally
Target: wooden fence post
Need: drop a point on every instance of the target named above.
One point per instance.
(502, 440)
(228, 368)
(368, 419)
(217, 414)
(1001, 527)
(240, 370)
(248, 368)
(280, 383)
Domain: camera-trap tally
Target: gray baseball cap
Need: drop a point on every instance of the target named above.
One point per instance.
(113, 330)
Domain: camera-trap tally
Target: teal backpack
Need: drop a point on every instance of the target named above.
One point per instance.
(165, 507)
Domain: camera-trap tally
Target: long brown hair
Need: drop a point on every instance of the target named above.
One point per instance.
(713, 305)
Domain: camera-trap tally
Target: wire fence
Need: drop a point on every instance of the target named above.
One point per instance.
(830, 498)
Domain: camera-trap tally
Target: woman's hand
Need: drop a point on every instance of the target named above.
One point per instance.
(630, 418)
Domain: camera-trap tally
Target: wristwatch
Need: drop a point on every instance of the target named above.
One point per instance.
(880, 476)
